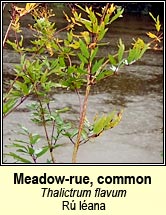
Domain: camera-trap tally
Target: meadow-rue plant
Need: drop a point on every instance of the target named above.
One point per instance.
(74, 61)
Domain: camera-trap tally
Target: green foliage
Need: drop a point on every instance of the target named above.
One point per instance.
(49, 63)
(106, 122)
(139, 48)
(8, 105)
(27, 148)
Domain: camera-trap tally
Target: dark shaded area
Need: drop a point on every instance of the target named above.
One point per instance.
(157, 8)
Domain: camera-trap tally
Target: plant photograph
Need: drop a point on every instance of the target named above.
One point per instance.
(82, 82)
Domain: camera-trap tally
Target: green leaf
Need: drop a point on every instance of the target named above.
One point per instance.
(67, 134)
(63, 110)
(22, 87)
(93, 17)
(18, 146)
(107, 122)
(112, 60)
(94, 21)
(19, 158)
(93, 53)
(104, 74)
(21, 150)
(117, 15)
(97, 65)
(84, 49)
(24, 129)
(116, 120)
(34, 138)
(101, 31)
(21, 141)
(44, 77)
(109, 118)
(41, 151)
(14, 45)
(143, 50)
(74, 132)
(7, 106)
(31, 151)
(82, 58)
(99, 125)
(57, 145)
(70, 36)
(139, 48)
(87, 24)
(132, 56)
(81, 71)
(58, 119)
(84, 134)
(106, 19)
(62, 62)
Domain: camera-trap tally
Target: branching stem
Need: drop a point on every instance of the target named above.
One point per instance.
(45, 127)
(83, 115)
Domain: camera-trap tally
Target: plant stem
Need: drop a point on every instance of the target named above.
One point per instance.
(46, 132)
(83, 114)
(7, 32)
(81, 124)
(45, 127)
(79, 99)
